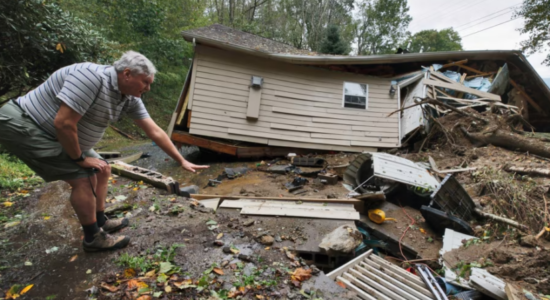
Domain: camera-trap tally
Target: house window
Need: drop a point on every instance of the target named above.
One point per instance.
(355, 95)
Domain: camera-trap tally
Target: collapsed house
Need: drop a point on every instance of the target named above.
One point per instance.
(249, 96)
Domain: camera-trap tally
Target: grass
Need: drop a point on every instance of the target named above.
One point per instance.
(146, 262)
(14, 174)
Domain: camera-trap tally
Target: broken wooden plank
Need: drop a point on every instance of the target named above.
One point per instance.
(527, 97)
(455, 63)
(528, 171)
(294, 210)
(205, 196)
(461, 88)
(255, 202)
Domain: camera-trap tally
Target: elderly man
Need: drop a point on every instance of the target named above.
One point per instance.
(53, 128)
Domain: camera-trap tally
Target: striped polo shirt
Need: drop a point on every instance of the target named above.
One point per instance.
(89, 89)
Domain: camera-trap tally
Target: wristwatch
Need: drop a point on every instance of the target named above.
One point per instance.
(80, 158)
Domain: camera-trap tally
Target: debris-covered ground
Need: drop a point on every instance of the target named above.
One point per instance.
(183, 250)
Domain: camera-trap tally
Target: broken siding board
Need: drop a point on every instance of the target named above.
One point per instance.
(293, 211)
(367, 287)
(461, 88)
(377, 117)
(371, 129)
(279, 143)
(287, 138)
(267, 100)
(193, 81)
(392, 140)
(217, 95)
(388, 287)
(366, 123)
(220, 101)
(224, 135)
(224, 125)
(373, 144)
(209, 88)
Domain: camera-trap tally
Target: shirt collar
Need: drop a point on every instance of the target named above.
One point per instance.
(114, 78)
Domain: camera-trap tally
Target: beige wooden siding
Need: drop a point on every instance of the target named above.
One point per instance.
(299, 107)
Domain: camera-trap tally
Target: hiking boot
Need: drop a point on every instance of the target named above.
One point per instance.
(103, 242)
(112, 225)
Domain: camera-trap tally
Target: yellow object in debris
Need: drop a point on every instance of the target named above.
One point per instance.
(378, 216)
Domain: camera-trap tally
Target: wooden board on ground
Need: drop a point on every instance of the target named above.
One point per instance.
(304, 212)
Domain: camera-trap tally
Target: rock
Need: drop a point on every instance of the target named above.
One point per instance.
(343, 239)
(244, 257)
(227, 250)
(528, 241)
(248, 223)
(243, 191)
(267, 240)
(206, 249)
(230, 225)
(151, 218)
(332, 196)
(314, 270)
(278, 239)
(116, 208)
(224, 263)
(218, 243)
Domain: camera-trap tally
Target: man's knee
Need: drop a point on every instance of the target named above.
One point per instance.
(77, 183)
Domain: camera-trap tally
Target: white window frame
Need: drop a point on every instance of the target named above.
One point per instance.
(344, 95)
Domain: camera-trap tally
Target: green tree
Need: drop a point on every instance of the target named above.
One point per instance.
(381, 25)
(433, 40)
(38, 38)
(537, 24)
(332, 43)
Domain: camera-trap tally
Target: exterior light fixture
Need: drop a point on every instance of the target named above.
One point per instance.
(257, 81)
(393, 88)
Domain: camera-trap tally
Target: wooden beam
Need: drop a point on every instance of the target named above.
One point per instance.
(186, 138)
(455, 63)
(153, 178)
(471, 69)
(318, 200)
(461, 88)
(526, 97)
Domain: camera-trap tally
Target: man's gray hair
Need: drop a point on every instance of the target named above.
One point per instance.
(136, 62)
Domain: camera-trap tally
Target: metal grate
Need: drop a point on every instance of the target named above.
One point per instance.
(372, 277)
(453, 199)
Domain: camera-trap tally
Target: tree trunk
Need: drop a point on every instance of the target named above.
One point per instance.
(509, 140)
(527, 170)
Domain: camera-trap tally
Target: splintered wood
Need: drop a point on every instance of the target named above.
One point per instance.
(372, 277)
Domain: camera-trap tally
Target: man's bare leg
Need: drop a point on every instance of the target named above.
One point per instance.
(83, 200)
(84, 204)
(101, 193)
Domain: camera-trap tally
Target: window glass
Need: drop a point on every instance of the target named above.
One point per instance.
(355, 95)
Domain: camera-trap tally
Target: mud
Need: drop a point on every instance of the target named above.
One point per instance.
(528, 268)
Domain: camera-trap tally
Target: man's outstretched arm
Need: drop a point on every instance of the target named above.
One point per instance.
(155, 133)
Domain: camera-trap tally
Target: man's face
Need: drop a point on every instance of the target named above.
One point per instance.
(135, 84)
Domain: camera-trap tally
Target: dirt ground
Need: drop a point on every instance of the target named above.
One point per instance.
(45, 248)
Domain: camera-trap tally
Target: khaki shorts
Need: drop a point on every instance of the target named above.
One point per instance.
(22, 137)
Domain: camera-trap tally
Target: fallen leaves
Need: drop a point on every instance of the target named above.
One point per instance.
(219, 236)
(11, 224)
(129, 273)
(218, 271)
(109, 287)
(89, 271)
(47, 218)
(73, 258)
(165, 267)
(136, 284)
(52, 250)
(145, 297)
(341, 284)
(26, 289)
(301, 274)
(8, 204)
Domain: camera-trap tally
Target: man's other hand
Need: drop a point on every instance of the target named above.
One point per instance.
(192, 167)
(96, 163)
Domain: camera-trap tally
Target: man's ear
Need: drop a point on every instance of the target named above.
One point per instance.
(127, 72)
